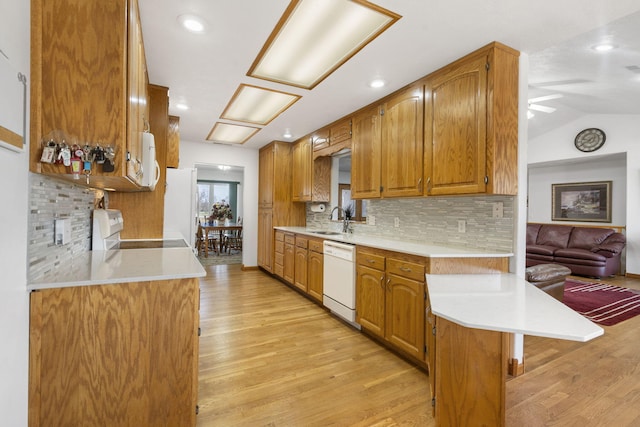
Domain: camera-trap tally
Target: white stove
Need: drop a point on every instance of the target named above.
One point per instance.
(107, 225)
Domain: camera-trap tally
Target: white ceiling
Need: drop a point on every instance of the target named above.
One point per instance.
(205, 70)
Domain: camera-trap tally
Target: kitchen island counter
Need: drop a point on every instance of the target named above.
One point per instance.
(413, 248)
(122, 266)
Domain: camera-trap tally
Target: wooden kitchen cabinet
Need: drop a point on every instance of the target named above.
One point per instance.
(289, 258)
(390, 295)
(301, 264)
(116, 354)
(89, 80)
(311, 177)
(340, 131)
(265, 239)
(471, 124)
(366, 154)
(302, 180)
(402, 142)
(315, 269)
(173, 143)
(275, 207)
(387, 151)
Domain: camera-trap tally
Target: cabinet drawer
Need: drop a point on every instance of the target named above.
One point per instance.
(278, 270)
(290, 239)
(302, 242)
(279, 236)
(410, 270)
(279, 247)
(370, 260)
(316, 246)
(279, 259)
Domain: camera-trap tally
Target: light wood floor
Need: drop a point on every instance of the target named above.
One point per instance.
(270, 357)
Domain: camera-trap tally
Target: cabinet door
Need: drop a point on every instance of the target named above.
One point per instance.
(315, 275)
(402, 142)
(300, 269)
(173, 142)
(289, 262)
(265, 239)
(404, 320)
(265, 177)
(370, 296)
(455, 130)
(302, 171)
(366, 154)
(137, 108)
(340, 132)
(320, 139)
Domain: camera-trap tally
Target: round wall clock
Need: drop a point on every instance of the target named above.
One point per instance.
(590, 140)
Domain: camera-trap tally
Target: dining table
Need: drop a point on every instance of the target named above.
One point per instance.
(211, 227)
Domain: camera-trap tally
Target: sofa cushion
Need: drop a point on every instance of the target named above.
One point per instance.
(532, 233)
(541, 249)
(578, 254)
(554, 235)
(588, 238)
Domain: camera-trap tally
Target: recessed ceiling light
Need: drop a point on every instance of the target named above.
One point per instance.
(193, 23)
(604, 47)
(377, 83)
(182, 106)
(313, 38)
(287, 134)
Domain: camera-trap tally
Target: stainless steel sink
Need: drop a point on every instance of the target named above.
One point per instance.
(326, 233)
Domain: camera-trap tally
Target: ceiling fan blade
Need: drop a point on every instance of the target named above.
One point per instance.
(541, 108)
(545, 98)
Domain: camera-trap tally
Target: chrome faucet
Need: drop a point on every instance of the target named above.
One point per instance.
(345, 220)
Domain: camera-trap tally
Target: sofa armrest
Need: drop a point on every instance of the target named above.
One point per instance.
(612, 246)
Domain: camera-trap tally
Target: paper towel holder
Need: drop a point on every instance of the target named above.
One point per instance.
(318, 207)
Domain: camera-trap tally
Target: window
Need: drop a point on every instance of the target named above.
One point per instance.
(210, 192)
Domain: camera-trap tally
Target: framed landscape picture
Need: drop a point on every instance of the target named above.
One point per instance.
(581, 201)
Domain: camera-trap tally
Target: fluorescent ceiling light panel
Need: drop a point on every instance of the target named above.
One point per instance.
(315, 37)
(253, 104)
(231, 134)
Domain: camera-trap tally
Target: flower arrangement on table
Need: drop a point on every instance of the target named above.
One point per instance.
(220, 211)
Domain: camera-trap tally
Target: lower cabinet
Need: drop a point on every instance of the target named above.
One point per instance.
(315, 270)
(390, 298)
(300, 267)
(278, 264)
(117, 354)
(289, 257)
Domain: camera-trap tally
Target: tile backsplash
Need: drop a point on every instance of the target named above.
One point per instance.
(435, 220)
(52, 199)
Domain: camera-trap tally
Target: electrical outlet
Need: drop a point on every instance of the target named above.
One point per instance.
(371, 219)
(462, 226)
(498, 210)
(396, 222)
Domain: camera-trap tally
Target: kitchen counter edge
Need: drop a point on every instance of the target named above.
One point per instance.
(413, 248)
(123, 266)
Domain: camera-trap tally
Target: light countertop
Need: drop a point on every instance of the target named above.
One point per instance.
(420, 249)
(505, 303)
(124, 265)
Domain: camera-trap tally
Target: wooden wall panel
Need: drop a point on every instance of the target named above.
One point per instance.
(173, 142)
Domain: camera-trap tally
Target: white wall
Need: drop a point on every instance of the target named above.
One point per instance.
(199, 153)
(623, 138)
(14, 299)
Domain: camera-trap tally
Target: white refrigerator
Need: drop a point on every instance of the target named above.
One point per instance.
(180, 199)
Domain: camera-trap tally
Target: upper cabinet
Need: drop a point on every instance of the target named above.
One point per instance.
(173, 142)
(387, 147)
(89, 83)
(402, 119)
(471, 125)
(366, 146)
(311, 177)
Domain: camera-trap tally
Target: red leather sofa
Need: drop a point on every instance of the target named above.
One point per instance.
(586, 251)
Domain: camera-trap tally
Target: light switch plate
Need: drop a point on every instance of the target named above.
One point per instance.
(396, 222)
(371, 219)
(498, 209)
(462, 226)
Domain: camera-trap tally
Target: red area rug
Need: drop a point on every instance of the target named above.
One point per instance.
(602, 304)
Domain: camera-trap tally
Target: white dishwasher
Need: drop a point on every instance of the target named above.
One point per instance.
(339, 283)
